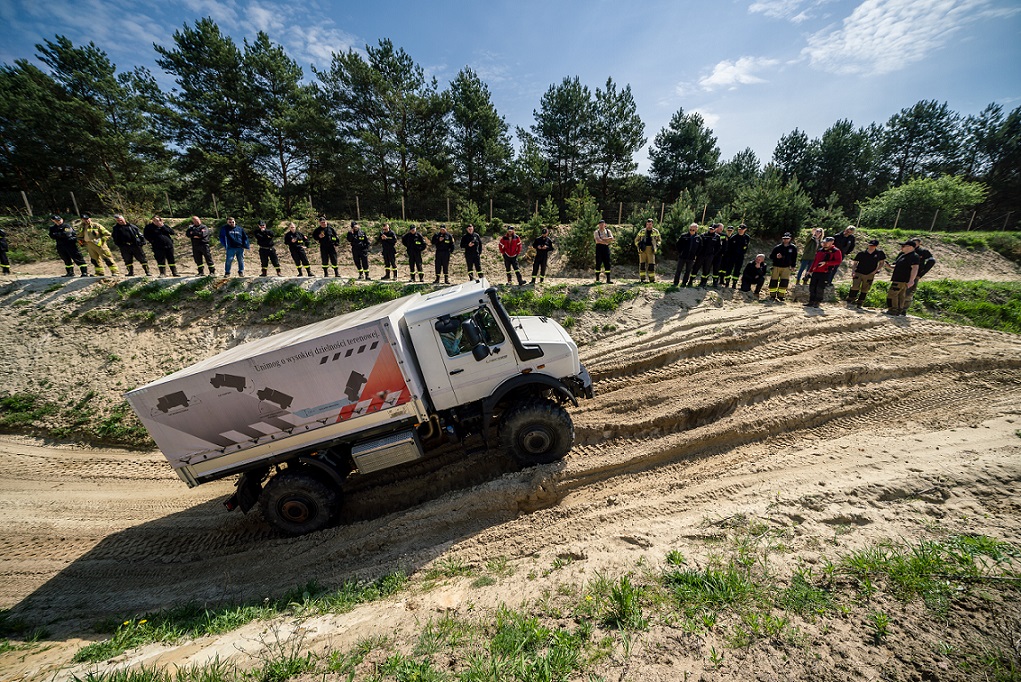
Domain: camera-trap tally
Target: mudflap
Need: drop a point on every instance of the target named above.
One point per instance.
(249, 487)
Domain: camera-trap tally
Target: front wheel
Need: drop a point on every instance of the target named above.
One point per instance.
(297, 503)
(537, 432)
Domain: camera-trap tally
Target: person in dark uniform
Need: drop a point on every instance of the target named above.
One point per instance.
(603, 238)
(754, 273)
(129, 239)
(826, 260)
(415, 244)
(783, 257)
(510, 249)
(161, 238)
(543, 245)
(905, 274)
(297, 244)
(359, 242)
(926, 261)
(845, 242)
(198, 235)
(471, 242)
(688, 247)
(443, 242)
(388, 241)
(328, 239)
(725, 235)
(863, 272)
(733, 256)
(67, 246)
(5, 262)
(267, 249)
(710, 246)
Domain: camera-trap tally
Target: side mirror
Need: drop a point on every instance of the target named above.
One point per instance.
(480, 351)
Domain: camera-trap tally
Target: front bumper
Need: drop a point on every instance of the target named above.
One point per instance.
(581, 384)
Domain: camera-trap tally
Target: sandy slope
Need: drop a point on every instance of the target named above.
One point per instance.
(836, 429)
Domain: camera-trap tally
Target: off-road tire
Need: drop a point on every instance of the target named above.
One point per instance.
(297, 502)
(537, 432)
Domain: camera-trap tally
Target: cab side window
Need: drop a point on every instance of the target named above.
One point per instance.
(455, 342)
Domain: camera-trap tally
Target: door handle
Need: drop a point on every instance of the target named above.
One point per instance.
(457, 371)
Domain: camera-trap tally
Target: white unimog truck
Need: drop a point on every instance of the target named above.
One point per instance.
(295, 414)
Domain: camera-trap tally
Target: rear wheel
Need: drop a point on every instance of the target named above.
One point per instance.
(537, 433)
(297, 502)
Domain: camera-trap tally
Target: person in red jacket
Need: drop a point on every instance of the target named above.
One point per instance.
(827, 259)
(510, 248)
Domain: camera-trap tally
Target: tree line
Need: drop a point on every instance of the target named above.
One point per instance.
(371, 133)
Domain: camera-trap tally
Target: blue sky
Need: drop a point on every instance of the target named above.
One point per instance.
(755, 69)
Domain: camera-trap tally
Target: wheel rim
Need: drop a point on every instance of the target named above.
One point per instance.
(536, 441)
(297, 509)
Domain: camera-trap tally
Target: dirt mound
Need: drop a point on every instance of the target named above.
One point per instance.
(835, 428)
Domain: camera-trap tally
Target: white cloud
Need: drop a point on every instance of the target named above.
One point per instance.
(881, 36)
(728, 74)
(794, 11)
(223, 12)
(708, 117)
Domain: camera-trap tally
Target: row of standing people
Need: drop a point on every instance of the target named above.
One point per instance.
(129, 239)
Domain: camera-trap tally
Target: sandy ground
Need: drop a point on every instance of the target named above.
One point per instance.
(835, 428)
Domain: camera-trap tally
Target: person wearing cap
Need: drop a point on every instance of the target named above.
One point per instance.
(808, 250)
(510, 248)
(129, 239)
(926, 261)
(266, 240)
(844, 241)
(388, 242)
(443, 242)
(161, 238)
(5, 262)
(688, 246)
(67, 246)
(94, 237)
(827, 259)
(416, 245)
(359, 242)
(603, 237)
(905, 274)
(234, 239)
(543, 245)
(297, 244)
(327, 238)
(733, 256)
(647, 242)
(783, 257)
(754, 273)
(471, 243)
(710, 246)
(863, 272)
(198, 234)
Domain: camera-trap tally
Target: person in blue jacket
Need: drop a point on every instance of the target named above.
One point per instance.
(234, 238)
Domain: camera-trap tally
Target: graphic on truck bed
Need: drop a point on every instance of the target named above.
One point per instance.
(355, 373)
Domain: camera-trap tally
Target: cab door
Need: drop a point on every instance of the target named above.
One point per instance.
(472, 379)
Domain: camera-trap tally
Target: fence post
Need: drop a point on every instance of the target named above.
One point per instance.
(490, 209)
(620, 212)
(897, 219)
(75, 202)
(972, 220)
(933, 226)
(358, 208)
(448, 208)
(170, 210)
(1005, 220)
(28, 206)
(704, 210)
(536, 207)
(402, 208)
(216, 209)
(857, 223)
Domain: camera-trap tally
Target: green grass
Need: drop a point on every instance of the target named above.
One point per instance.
(19, 410)
(194, 620)
(612, 302)
(975, 303)
(552, 300)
